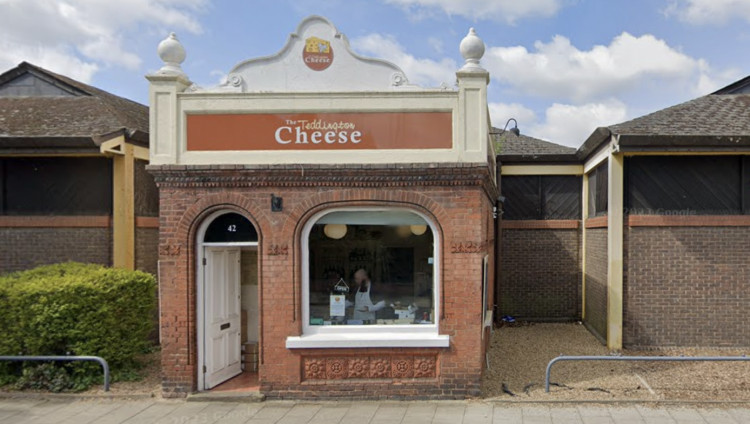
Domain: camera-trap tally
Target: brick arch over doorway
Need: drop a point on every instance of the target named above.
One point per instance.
(177, 281)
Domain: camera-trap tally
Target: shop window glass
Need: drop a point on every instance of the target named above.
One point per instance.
(370, 268)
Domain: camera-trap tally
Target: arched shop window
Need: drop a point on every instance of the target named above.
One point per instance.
(392, 248)
(230, 227)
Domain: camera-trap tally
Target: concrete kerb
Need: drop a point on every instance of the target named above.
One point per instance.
(345, 402)
(77, 396)
(620, 402)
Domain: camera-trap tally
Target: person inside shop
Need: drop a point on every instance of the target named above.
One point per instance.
(364, 308)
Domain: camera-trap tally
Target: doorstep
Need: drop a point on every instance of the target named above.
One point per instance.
(235, 396)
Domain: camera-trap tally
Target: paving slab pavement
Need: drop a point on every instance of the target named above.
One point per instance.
(117, 411)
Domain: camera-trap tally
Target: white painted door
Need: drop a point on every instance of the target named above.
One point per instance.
(222, 315)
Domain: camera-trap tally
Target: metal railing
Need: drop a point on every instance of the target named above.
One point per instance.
(98, 359)
(637, 358)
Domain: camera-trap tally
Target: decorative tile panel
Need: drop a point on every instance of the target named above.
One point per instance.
(315, 368)
(425, 366)
(169, 249)
(372, 367)
(402, 367)
(359, 367)
(336, 368)
(380, 367)
(278, 250)
(468, 247)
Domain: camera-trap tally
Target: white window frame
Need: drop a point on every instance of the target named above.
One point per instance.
(351, 336)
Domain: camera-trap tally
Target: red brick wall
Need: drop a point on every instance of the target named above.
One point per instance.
(30, 241)
(596, 281)
(456, 197)
(25, 248)
(541, 273)
(147, 249)
(687, 286)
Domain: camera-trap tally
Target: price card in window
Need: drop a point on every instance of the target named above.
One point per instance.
(338, 305)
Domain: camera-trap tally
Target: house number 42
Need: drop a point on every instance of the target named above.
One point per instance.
(232, 228)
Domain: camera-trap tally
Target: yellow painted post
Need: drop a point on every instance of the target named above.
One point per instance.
(615, 251)
(123, 213)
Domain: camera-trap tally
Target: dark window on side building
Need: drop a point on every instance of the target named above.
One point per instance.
(56, 186)
(599, 190)
(540, 197)
(687, 185)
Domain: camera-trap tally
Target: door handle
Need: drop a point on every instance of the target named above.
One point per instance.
(225, 326)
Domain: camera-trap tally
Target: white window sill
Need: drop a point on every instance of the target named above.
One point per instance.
(367, 340)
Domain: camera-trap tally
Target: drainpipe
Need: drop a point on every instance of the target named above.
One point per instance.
(498, 244)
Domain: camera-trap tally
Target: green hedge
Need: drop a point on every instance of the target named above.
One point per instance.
(75, 309)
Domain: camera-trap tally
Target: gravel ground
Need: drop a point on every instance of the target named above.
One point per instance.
(149, 385)
(519, 354)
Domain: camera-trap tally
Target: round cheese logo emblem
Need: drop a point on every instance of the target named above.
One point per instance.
(318, 54)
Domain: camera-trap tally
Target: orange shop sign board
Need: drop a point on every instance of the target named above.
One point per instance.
(320, 131)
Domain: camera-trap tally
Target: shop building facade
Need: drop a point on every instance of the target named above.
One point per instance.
(320, 209)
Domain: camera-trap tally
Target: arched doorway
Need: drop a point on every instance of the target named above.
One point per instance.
(228, 313)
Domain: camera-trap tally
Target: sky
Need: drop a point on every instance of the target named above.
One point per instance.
(561, 68)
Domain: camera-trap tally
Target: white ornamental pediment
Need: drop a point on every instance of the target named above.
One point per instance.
(316, 58)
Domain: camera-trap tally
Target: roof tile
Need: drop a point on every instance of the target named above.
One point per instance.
(711, 115)
(509, 144)
(91, 115)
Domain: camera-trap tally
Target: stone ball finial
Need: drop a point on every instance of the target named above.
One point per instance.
(472, 50)
(172, 54)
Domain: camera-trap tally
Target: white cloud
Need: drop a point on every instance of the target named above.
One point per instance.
(500, 113)
(423, 72)
(564, 124)
(62, 62)
(709, 12)
(508, 11)
(590, 88)
(559, 70)
(570, 125)
(711, 80)
(79, 37)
